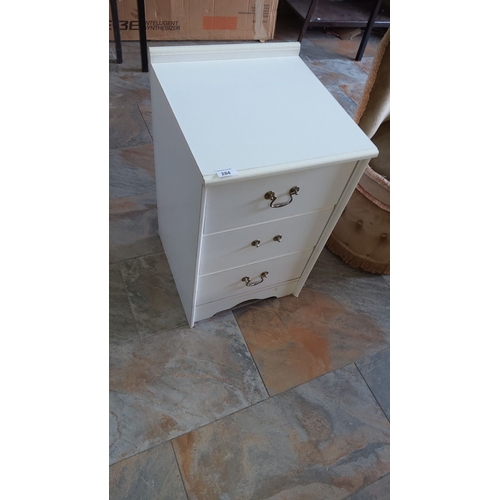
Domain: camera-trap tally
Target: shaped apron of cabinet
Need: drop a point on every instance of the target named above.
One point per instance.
(247, 193)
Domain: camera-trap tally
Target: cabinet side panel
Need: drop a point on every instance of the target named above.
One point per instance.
(179, 186)
(337, 212)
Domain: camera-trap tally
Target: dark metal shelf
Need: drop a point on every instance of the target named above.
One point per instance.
(366, 14)
(341, 13)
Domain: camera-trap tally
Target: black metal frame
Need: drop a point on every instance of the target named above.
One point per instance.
(367, 29)
(142, 33)
(116, 31)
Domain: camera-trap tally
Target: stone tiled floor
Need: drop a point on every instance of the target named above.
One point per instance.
(280, 399)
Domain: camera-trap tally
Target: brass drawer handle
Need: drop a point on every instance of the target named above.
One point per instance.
(270, 195)
(249, 282)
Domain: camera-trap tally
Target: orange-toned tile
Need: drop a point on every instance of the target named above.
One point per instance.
(127, 128)
(354, 91)
(293, 340)
(131, 171)
(366, 63)
(176, 381)
(348, 48)
(326, 439)
(151, 475)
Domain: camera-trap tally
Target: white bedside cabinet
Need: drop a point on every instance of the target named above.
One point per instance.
(255, 161)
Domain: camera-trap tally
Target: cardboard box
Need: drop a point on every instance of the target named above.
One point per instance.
(199, 19)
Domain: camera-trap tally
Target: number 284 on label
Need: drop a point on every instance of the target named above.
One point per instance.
(228, 172)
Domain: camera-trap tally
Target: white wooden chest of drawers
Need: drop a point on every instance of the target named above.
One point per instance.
(294, 154)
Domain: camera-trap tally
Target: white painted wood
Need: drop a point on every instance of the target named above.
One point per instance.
(234, 248)
(198, 256)
(205, 311)
(259, 110)
(179, 194)
(235, 205)
(287, 168)
(250, 113)
(193, 53)
(229, 283)
(337, 212)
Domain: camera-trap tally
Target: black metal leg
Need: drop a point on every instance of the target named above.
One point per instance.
(312, 8)
(368, 30)
(142, 35)
(116, 31)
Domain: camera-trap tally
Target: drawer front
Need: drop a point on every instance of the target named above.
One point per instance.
(229, 283)
(261, 242)
(242, 203)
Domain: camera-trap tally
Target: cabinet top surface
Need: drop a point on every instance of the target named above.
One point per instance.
(258, 112)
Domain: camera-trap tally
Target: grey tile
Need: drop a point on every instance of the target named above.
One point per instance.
(359, 291)
(127, 128)
(337, 71)
(322, 440)
(177, 381)
(136, 203)
(349, 105)
(329, 266)
(122, 328)
(151, 475)
(133, 234)
(148, 117)
(379, 490)
(312, 52)
(347, 49)
(354, 91)
(375, 369)
(152, 292)
(131, 171)
(128, 88)
(366, 64)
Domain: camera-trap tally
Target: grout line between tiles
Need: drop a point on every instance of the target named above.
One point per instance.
(368, 385)
(250, 406)
(367, 486)
(146, 124)
(136, 257)
(195, 429)
(356, 104)
(179, 469)
(251, 355)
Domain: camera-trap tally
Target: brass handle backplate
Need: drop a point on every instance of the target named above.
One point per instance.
(271, 195)
(249, 282)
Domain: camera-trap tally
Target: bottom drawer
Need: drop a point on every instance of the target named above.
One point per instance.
(208, 310)
(230, 283)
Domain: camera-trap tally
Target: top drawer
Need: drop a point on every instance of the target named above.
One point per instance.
(242, 203)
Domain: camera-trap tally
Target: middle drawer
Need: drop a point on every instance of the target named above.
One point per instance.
(250, 244)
